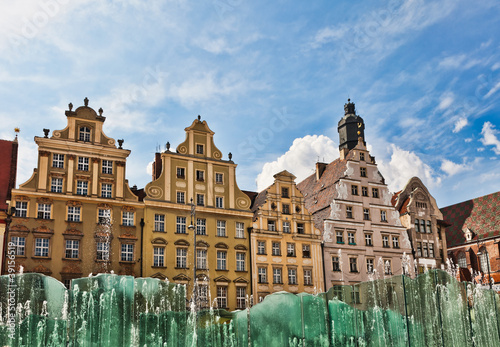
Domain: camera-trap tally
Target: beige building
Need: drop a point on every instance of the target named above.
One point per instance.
(76, 215)
(196, 173)
(286, 246)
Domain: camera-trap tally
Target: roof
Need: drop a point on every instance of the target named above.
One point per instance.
(8, 158)
(480, 215)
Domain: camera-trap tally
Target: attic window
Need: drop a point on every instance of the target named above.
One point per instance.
(84, 134)
(199, 149)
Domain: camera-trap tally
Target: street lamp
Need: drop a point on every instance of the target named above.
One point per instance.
(8, 220)
(192, 228)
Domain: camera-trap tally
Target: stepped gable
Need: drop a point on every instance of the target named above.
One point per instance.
(480, 215)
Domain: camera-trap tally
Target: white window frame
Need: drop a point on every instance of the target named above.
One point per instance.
(241, 296)
(19, 244)
(181, 258)
(84, 134)
(240, 261)
(262, 274)
(221, 296)
(83, 164)
(56, 185)
(221, 228)
(261, 247)
(58, 161)
(200, 199)
(102, 251)
(219, 178)
(128, 218)
(276, 248)
(290, 249)
(106, 190)
(219, 202)
(44, 211)
(292, 276)
(127, 252)
(104, 213)
(159, 222)
(72, 249)
(82, 188)
(308, 277)
(221, 260)
(201, 226)
(277, 275)
(286, 227)
(181, 197)
(21, 209)
(180, 225)
(159, 256)
(107, 167)
(74, 213)
(271, 225)
(201, 259)
(240, 230)
(42, 245)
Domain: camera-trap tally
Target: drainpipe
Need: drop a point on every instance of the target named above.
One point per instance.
(142, 243)
(324, 271)
(250, 259)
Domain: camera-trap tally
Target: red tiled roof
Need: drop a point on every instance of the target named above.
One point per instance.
(8, 158)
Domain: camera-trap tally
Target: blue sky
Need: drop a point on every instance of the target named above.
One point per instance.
(271, 80)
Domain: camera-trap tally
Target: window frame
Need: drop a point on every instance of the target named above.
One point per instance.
(21, 209)
(82, 187)
(127, 252)
(158, 256)
(221, 260)
(159, 223)
(83, 164)
(107, 167)
(70, 251)
(221, 228)
(57, 161)
(74, 214)
(56, 185)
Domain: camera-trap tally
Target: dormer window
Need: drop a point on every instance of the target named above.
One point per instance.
(362, 156)
(85, 134)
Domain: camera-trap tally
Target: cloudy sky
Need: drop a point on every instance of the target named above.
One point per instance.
(270, 78)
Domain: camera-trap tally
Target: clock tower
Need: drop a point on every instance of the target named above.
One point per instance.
(351, 127)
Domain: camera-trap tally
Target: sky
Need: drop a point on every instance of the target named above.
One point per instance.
(270, 78)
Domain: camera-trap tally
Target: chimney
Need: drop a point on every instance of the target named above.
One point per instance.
(157, 166)
(320, 168)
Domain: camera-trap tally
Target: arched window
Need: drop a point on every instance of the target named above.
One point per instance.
(484, 259)
(84, 134)
(462, 260)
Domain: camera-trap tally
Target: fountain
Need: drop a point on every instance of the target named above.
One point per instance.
(111, 310)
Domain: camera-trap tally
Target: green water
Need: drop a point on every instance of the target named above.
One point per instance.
(110, 310)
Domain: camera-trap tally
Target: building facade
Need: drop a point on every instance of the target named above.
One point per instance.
(351, 205)
(286, 246)
(76, 215)
(194, 194)
(424, 224)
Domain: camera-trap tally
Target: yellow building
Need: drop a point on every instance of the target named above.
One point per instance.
(196, 173)
(76, 215)
(286, 247)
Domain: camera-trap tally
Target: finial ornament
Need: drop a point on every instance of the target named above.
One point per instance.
(100, 111)
(46, 132)
(168, 146)
(199, 117)
(120, 143)
(230, 156)
(86, 101)
(17, 130)
(70, 106)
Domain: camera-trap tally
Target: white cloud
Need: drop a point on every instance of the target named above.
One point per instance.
(300, 159)
(467, 140)
(489, 137)
(460, 124)
(452, 168)
(480, 149)
(27, 157)
(493, 90)
(446, 101)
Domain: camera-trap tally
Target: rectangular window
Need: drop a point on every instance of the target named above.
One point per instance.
(361, 156)
(271, 225)
(383, 216)
(127, 252)
(106, 190)
(57, 185)
(366, 214)
(362, 171)
(219, 202)
(199, 148)
(201, 259)
(102, 252)
(429, 229)
(292, 276)
(364, 191)
(181, 172)
(83, 164)
(84, 134)
(422, 226)
(261, 247)
(240, 230)
(286, 227)
(355, 295)
(368, 240)
(200, 199)
(290, 249)
(385, 241)
(181, 197)
(351, 238)
(107, 167)
(221, 297)
(417, 226)
(128, 218)
(159, 256)
(387, 267)
(375, 192)
(241, 296)
(73, 214)
(419, 249)
(58, 161)
(307, 277)
(221, 228)
(284, 192)
(180, 227)
(219, 178)
(159, 222)
(348, 211)
(221, 260)
(200, 175)
(395, 242)
(262, 275)
(424, 248)
(201, 226)
(44, 211)
(21, 208)
(276, 248)
(335, 264)
(431, 250)
(353, 264)
(340, 236)
(41, 247)
(19, 244)
(240, 261)
(354, 190)
(72, 247)
(181, 258)
(286, 208)
(300, 228)
(306, 251)
(277, 275)
(82, 187)
(104, 216)
(369, 265)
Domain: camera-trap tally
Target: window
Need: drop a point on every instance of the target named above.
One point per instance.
(375, 192)
(181, 258)
(422, 226)
(241, 296)
(107, 167)
(369, 265)
(385, 241)
(128, 218)
(181, 172)
(362, 171)
(292, 276)
(335, 264)
(240, 230)
(271, 225)
(284, 192)
(104, 216)
(419, 249)
(44, 211)
(159, 256)
(18, 243)
(350, 238)
(201, 259)
(221, 260)
(73, 214)
(200, 175)
(41, 247)
(84, 134)
(425, 254)
(127, 252)
(348, 211)
(290, 249)
(354, 190)
(366, 214)
(159, 222)
(181, 197)
(307, 277)
(395, 242)
(368, 240)
(387, 267)
(300, 228)
(276, 248)
(429, 229)
(21, 208)
(277, 275)
(417, 226)
(106, 190)
(431, 250)
(56, 186)
(221, 228)
(286, 208)
(355, 295)
(286, 227)
(221, 297)
(364, 191)
(240, 261)
(180, 227)
(353, 264)
(338, 292)
(72, 247)
(340, 236)
(219, 178)
(262, 275)
(58, 160)
(261, 247)
(383, 216)
(201, 226)
(361, 156)
(200, 199)
(199, 149)
(82, 187)
(219, 202)
(306, 251)
(102, 251)
(83, 164)
(462, 260)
